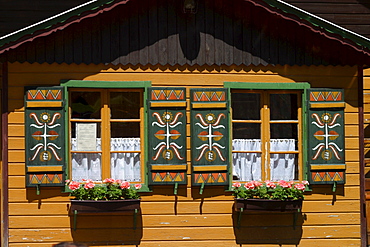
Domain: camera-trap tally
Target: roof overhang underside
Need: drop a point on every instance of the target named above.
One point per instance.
(359, 46)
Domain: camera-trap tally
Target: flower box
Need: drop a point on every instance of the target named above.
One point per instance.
(112, 206)
(91, 206)
(267, 205)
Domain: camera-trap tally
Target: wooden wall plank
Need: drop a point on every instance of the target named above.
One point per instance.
(143, 34)
(16, 118)
(173, 36)
(163, 32)
(169, 221)
(168, 208)
(16, 143)
(16, 130)
(352, 143)
(16, 169)
(213, 243)
(21, 195)
(180, 234)
(16, 156)
(153, 34)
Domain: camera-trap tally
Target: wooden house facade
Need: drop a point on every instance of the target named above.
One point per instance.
(250, 89)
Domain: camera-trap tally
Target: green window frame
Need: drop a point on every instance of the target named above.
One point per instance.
(80, 85)
(280, 87)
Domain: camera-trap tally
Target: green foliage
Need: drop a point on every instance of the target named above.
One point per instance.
(130, 194)
(281, 190)
(110, 189)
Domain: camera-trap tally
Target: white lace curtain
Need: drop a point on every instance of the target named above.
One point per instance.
(124, 166)
(247, 166)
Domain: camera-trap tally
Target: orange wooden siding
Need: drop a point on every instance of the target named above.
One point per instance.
(189, 219)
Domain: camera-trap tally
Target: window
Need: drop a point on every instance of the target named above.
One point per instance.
(266, 134)
(106, 131)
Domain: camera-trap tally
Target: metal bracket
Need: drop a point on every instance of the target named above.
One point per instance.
(240, 217)
(201, 188)
(175, 189)
(135, 218)
(75, 212)
(38, 189)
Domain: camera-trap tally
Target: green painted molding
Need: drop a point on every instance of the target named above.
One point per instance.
(269, 86)
(105, 84)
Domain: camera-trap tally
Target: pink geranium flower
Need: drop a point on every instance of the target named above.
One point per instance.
(125, 185)
(137, 186)
(270, 184)
(257, 184)
(250, 185)
(109, 180)
(74, 185)
(305, 182)
(285, 184)
(236, 185)
(300, 186)
(89, 185)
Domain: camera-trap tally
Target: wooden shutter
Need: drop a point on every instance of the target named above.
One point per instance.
(167, 136)
(45, 138)
(326, 136)
(210, 136)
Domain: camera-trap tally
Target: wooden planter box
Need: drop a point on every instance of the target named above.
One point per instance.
(267, 205)
(88, 206)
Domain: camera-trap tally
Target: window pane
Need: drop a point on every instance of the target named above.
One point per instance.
(126, 166)
(284, 131)
(247, 166)
(125, 105)
(283, 167)
(86, 166)
(246, 131)
(87, 140)
(246, 106)
(85, 105)
(283, 107)
(125, 130)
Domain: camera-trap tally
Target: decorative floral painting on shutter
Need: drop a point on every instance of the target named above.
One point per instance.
(210, 136)
(326, 136)
(44, 123)
(167, 136)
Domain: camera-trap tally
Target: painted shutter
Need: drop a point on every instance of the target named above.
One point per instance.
(167, 136)
(326, 136)
(45, 138)
(210, 136)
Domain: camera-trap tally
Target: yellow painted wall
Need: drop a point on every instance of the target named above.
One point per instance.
(189, 219)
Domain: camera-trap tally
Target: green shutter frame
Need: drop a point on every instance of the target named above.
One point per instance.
(210, 136)
(45, 137)
(167, 136)
(326, 160)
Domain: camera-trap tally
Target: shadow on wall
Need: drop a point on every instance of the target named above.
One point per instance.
(107, 229)
(281, 228)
